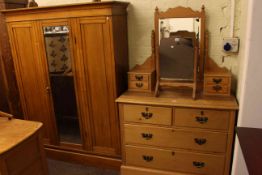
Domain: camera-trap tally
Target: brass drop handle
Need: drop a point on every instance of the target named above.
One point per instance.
(147, 136)
(139, 85)
(139, 77)
(198, 164)
(147, 115)
(202, 120)
(148, 158)
(217, 80)
(217, 88)
(200, 141)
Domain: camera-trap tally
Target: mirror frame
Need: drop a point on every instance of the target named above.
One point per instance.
(181, 12)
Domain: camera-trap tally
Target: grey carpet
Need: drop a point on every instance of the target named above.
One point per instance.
(64, 168)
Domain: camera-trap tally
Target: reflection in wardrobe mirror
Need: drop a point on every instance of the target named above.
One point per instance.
(61, 78)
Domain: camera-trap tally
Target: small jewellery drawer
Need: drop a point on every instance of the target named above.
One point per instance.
(183, 139)
(217, 85)
(148, 114)
(138, 77)
(217, 89)
(143, 85)
(217, 80)
(173, 160)
(200, 118)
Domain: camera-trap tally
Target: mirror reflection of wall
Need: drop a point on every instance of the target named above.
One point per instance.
(172, 25)
(177, 58)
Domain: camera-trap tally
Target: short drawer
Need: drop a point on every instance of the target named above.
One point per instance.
(148, 114)
(140, 85)
(217, 89)
(138, 77)
(217, 80)
(174, 138)
(200, 118)
(174, 160)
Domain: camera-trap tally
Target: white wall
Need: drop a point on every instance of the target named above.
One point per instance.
(250, 94)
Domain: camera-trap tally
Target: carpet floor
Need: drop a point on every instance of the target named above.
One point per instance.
(64, 168)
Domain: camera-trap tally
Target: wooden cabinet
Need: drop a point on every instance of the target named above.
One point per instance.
(173, 134)
(21, 150)
(71, 63)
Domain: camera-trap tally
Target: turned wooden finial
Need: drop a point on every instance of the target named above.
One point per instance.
(32, 3)
(156, 9)
(203, 7)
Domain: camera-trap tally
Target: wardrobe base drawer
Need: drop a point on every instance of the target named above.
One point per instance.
(175, 160)
(130, 170)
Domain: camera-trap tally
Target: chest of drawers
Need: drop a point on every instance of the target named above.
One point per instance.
(175, 135)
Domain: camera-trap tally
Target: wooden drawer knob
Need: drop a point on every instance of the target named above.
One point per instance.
(198, 164)
(201, 120)
(148, 158)
(200, 141)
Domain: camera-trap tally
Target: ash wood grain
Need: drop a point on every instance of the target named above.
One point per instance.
(175, 138)
(29, 72)
(148, 114)
(8, 86)
(98, 43)
(140, 137)
(9, 129)
(20, 139)
(98, 66)
(131, 170)
(174, 160)
(179, 99)
(202, 118)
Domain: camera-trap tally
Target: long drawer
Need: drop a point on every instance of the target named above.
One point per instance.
(200, 118)
(174, 160)
(168, 137)
(148, 114)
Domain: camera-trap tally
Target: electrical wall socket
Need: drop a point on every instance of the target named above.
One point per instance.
(231, 45)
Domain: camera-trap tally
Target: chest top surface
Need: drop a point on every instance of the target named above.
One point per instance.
(171, 98)
(13, 132)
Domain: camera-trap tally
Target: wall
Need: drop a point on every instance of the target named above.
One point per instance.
(250, 95)
(141, 23)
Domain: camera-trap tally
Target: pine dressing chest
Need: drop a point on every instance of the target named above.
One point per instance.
(174, 134)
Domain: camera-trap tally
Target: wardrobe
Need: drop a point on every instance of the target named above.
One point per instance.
(71, 63)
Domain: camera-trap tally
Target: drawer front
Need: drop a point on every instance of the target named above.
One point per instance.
(138, 77)
(148, 114)
(173, 160)
(217, 80)
(167, 137)
(217, 89)
(142, 85)
(198, 118)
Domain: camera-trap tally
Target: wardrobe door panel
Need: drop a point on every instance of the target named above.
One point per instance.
(100, 83)
(29, 72)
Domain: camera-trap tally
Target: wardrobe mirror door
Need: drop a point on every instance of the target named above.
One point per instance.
(57, 47)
